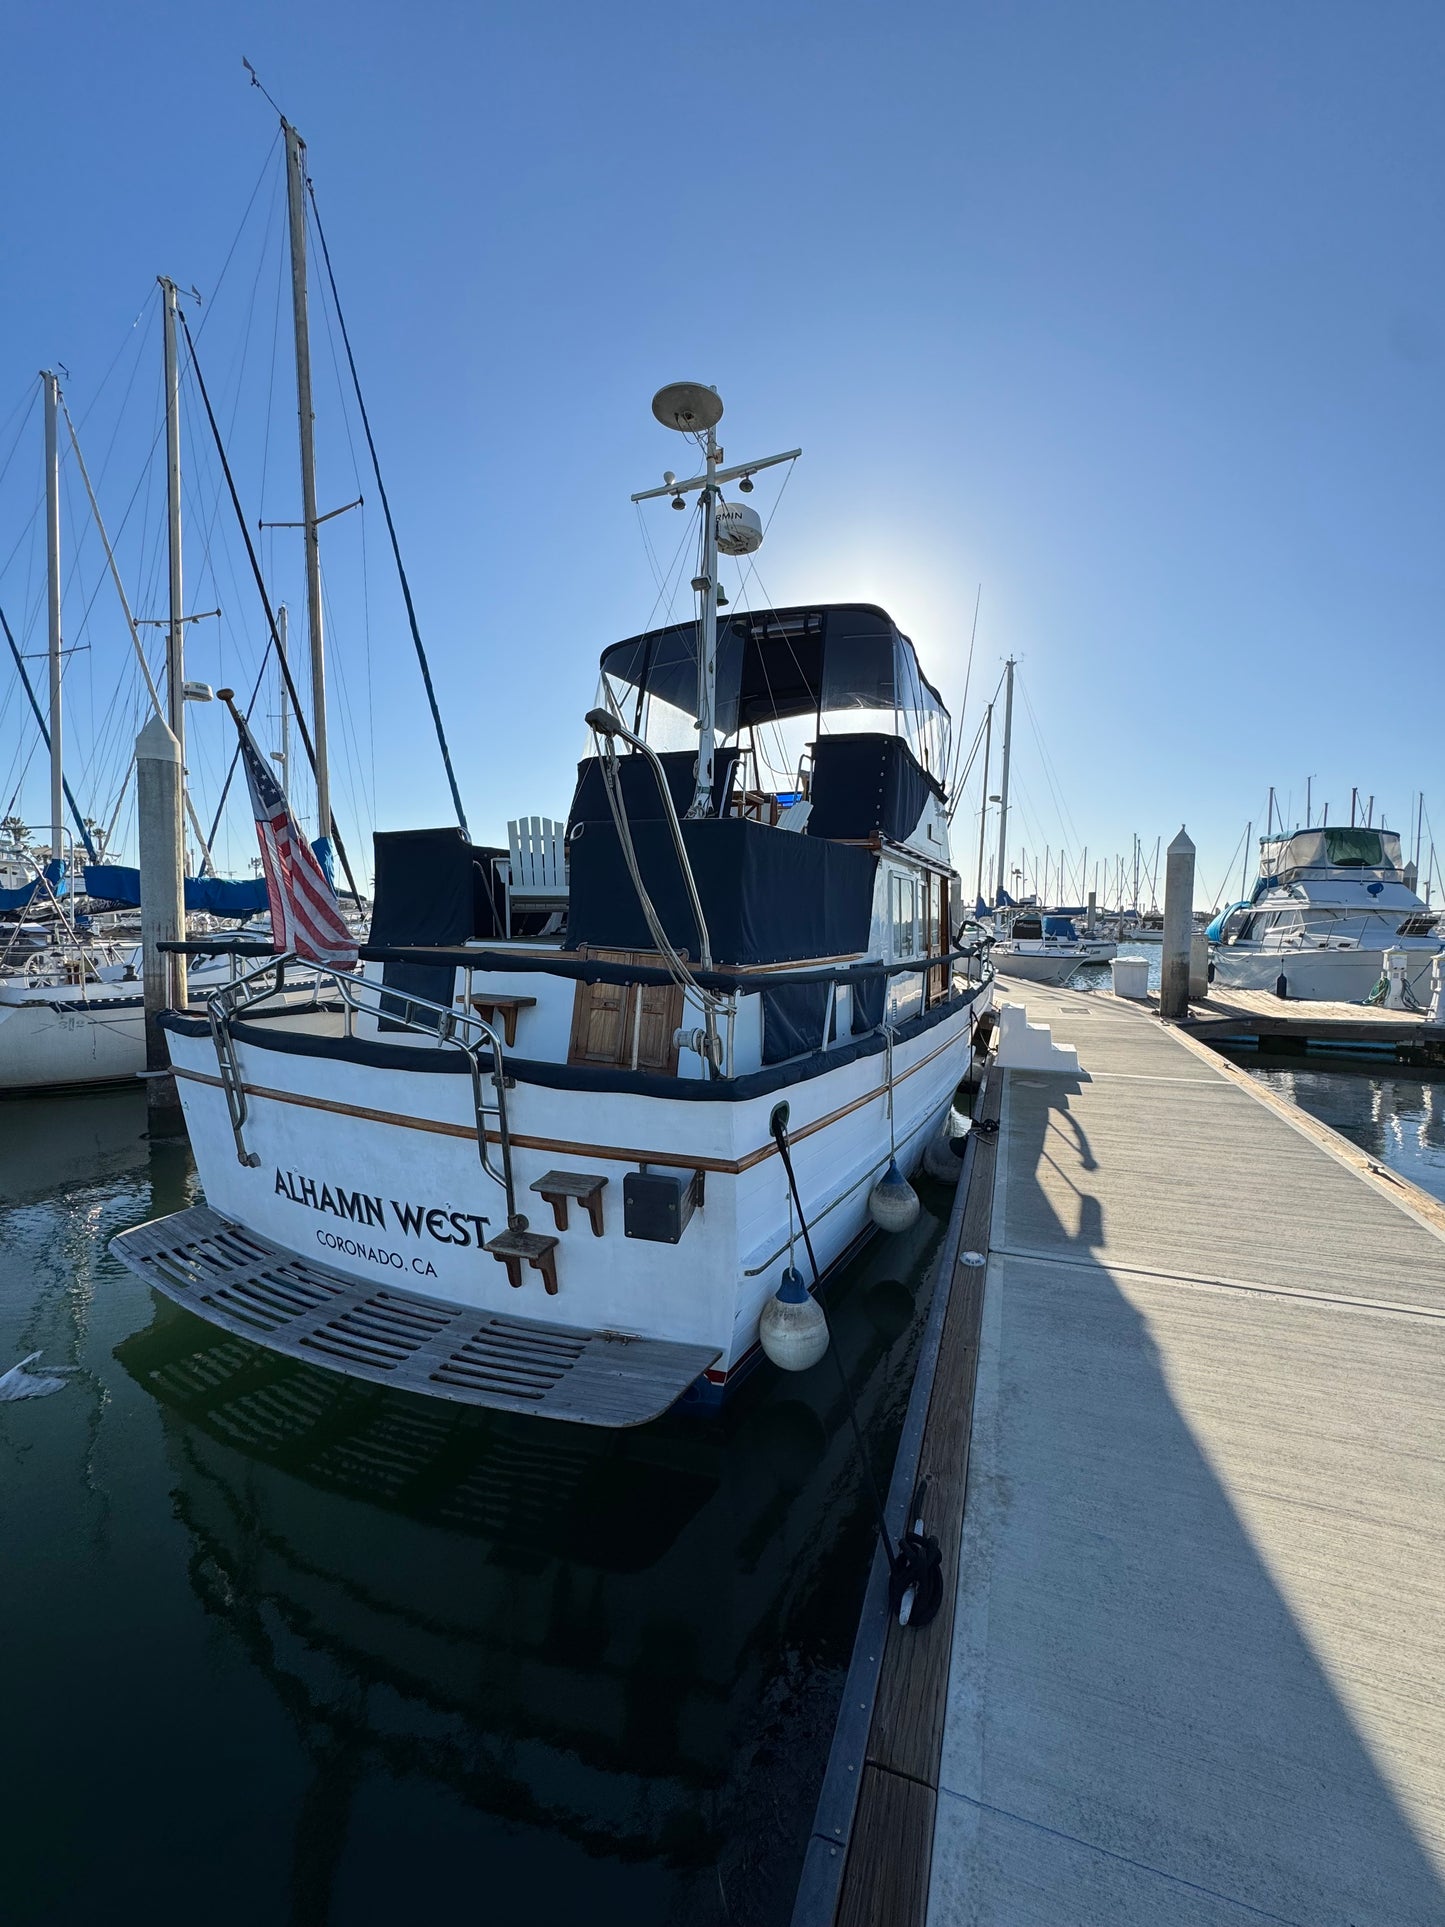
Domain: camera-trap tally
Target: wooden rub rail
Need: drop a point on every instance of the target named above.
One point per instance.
(247, 1285)
(868, 1859)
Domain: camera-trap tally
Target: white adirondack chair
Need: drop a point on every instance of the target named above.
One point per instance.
(537, 868)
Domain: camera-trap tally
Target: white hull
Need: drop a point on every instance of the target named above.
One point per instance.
(60, 1045)
(1345, 976)
(1047, 966)
(374, 1172)
(79, 1037)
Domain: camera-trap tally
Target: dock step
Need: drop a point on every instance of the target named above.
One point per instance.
(246, 1284)
(1023, 1046)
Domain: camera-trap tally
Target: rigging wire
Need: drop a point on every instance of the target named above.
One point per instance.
(390, 525)
(953, 779)
(300, 719)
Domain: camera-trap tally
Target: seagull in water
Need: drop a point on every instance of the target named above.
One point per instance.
(18, 1383)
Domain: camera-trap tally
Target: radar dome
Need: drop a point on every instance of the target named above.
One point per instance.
(739, 528)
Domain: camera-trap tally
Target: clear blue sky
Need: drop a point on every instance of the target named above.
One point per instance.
(1132, 313)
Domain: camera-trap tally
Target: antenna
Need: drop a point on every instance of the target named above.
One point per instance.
(256, 82)
(688, 406)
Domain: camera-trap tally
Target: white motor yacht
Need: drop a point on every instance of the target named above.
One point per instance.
(1329, 905)
(1047, 950)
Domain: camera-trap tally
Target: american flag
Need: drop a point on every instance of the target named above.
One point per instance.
(305, 916)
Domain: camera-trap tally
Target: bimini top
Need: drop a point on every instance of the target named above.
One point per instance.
(844, 662)
(1336, 848)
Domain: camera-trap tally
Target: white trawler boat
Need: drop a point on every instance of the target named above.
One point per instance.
(552, 1174)
(1329, 906)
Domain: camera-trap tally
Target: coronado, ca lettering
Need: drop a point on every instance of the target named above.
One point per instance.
(443, 1225)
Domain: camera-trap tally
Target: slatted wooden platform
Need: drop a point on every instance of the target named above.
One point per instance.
(259, 1290)
(1260, 1014)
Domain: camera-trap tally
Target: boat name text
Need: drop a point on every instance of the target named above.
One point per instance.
(438, 1222)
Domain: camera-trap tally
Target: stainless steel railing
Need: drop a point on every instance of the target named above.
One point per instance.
(362, 996)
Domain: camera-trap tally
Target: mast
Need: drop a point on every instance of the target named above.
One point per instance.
(283, 755)
(306, 420)
(1008, 730)
(52, 577)
(176, 628)
(695, 410)
(701, 804)
(983, 812)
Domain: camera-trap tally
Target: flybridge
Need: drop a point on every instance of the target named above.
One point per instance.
(840, 661)
(1338, 848)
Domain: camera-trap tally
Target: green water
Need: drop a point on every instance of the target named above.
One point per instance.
(282, 1648)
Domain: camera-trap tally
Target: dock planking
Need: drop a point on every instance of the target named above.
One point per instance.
(885, 1874)
(1197, 1654)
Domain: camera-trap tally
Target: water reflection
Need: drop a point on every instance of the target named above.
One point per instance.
(1400, 1120)
(51, 1145)
(605, 1662)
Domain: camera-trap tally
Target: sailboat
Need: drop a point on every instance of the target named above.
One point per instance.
(1040, 948)
(72, 1013)
(566, 1174)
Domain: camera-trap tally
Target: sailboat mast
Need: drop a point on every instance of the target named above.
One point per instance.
(707, 638)
(296, 216)
(284, 756)
(176, 630)
(983, 810)
(52, 577)
(1008, 730)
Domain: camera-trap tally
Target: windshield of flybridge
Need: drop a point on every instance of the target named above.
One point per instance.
(1340, 848)
(783, 675)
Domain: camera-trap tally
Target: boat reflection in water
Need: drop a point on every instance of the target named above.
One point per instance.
(557, 1667)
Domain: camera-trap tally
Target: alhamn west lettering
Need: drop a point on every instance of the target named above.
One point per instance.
(445, 1226)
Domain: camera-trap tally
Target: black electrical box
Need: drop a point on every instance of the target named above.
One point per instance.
(657, 1205)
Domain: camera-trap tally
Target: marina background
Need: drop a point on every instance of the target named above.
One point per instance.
(1133, 317)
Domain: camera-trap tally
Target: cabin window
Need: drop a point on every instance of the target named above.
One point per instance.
(905, 916)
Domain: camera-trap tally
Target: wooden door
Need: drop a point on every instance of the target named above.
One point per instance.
(626, 1026)
(939, 941)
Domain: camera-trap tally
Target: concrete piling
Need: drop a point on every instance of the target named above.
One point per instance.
(1178, 928)
(159, 786)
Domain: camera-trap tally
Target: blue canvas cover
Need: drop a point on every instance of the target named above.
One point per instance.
(25, 894)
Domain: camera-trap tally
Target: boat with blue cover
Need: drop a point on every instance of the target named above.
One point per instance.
(1046, 949)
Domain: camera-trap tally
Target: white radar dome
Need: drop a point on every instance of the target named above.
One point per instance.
(739, 528)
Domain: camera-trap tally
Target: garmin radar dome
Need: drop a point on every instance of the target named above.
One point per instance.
(739, 528)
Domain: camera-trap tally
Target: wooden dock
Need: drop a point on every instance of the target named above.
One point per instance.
(1292, 1023)
(1193, 1646)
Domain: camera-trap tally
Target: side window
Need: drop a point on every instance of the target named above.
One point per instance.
(905, 917)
